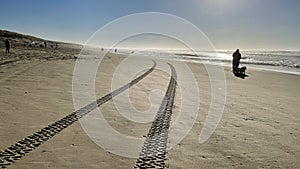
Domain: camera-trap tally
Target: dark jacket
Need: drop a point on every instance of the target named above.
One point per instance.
(7, 45)
(236, 56)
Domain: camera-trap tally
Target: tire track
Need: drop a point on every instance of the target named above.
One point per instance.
(29, 143)
(154, 150)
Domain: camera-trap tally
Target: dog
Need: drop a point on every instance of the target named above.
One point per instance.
(242, 70)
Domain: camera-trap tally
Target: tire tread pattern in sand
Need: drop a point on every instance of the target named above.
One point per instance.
(154, 150)
(29, 143)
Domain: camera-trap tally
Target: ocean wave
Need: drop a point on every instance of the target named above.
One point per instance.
(284, 59)
(289, 60)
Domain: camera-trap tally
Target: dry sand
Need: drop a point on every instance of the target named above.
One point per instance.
(259, 128)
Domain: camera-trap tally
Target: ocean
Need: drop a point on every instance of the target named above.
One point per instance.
(274, 60)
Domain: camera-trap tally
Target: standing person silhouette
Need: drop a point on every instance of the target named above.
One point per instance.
(236, 60)
(7, 46)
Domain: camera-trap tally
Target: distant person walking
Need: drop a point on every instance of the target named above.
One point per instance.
(236, 60)
(7, 46)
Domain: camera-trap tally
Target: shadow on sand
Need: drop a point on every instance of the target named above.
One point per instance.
(240, 75)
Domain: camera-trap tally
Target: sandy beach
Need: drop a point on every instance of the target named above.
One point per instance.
(259, 128)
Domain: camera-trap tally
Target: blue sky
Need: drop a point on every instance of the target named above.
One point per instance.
(229, 24)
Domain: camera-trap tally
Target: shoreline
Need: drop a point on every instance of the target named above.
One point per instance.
(226, 62)
(249, 66)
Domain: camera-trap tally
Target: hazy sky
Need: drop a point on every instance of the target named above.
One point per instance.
(229, 24)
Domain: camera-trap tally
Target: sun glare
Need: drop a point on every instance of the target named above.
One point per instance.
(217, 5)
